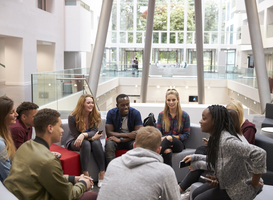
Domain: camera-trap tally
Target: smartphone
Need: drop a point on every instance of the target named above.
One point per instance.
(183, 164)
(207, 179)
(100, 132)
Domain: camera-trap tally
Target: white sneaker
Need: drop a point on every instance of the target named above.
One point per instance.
(185, 195)
(100, 183)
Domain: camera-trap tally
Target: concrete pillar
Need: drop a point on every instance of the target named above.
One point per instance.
(199, 50)
(258, 53)
(94, 74)
(147, 51)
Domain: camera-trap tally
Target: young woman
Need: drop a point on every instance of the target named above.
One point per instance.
(238, 166)
(83, 123)
(199, 168)
(7, 149)
(174, 124)
(248, 129)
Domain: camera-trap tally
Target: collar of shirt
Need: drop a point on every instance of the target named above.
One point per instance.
(23, 125)
(41, 141)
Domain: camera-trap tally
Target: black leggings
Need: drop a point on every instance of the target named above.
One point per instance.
(205, 192)
(194, 176)
(85, 151)
(177, 146)
(190, 178)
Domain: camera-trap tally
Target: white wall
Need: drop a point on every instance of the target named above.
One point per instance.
(22, 19)
(14, 61)
(45, 57)
(77, 29)
(2, 60)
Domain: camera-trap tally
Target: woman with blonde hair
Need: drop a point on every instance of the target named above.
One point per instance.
(174, 124)
(84, 122)
(7, 149)
(248, 129)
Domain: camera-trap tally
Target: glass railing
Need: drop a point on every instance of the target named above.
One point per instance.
(53, 88)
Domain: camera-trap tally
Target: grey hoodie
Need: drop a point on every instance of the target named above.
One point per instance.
(139, 174)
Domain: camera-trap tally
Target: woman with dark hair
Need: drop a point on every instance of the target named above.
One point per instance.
(199, 168)
(84, 122)
(7, 149)
(174, 124)
(237, 166)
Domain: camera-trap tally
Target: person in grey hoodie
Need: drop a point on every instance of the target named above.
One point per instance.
(140, 173)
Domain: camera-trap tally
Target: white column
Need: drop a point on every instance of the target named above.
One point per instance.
(199, 50)
(258, 53)
(94, 74)
(147, 51)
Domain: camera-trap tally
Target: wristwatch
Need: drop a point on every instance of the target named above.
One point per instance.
(121, 139)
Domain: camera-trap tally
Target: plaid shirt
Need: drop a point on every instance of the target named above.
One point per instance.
(184, 132)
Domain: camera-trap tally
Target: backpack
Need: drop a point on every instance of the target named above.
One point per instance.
(150, 120)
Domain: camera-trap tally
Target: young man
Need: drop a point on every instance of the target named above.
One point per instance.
(21, 131)
(36, 173)
(140, 173)
(122, 123)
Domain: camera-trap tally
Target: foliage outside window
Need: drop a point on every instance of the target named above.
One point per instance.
(122, 37)
(189, 38)
(172, 38)
(214, 38)
(114, 37)
(126, 16)
(163, 37)
(130, 37)
(156, 38)
(139, 37)
(180, 38)
(114, 16)
(206, 38)
(161, 17)
(211, 15)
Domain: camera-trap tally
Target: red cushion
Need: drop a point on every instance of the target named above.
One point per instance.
(70, 160)
(120, 152)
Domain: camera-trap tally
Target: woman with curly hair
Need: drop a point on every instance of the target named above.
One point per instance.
(84, 122)
(174, 124)
(7, 149)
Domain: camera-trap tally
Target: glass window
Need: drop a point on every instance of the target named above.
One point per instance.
(214, 38)
(206, 38)
(155, 38)
(180, 38)
(139, 37)
(161, 15)
(190, 16)
(142, 9)
(164, 38)
(228, 10)
(177, 16)
(223, 38)
(114, 37)
(122, 37)
(126, 16)
(172, 38)
(130, 37)
(211, 15)
(189, 38)
(114, 17)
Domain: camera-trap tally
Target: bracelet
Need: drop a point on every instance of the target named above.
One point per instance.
(92, 139)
